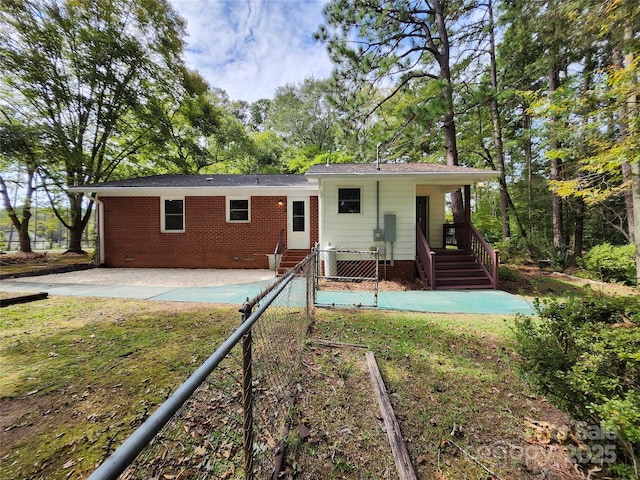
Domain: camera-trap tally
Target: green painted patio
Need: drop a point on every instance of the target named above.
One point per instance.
(441, 301)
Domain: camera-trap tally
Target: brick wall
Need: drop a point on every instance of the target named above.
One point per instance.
(133, 238)
(401, 269)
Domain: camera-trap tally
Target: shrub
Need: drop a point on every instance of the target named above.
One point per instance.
(560, 258)
(612, 264)
(513, 251)
(584, 355)
(506, 274)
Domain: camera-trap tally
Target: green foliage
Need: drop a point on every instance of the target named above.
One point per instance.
(299, 160)
(612, 264)
(560, 258)
(584, 355)
(507, 274)
(302, 114)
(512, 251)
(83, 75)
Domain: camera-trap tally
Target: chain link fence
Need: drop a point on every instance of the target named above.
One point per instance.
(229, 419)
(346, 277)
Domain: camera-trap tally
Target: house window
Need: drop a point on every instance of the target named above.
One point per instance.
(238, 210)
(173, 215)
(348, 200)
(297, 215)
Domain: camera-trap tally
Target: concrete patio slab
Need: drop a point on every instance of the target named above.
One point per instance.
(458, 301)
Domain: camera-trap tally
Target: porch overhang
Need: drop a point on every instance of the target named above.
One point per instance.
(452, 177)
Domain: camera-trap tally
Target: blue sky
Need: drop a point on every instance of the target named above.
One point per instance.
(251, 47)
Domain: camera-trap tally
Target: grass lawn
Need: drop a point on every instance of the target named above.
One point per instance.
(83, 372)
(80, 374)
(452, 381)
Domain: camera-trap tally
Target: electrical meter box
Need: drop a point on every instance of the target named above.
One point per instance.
(378, 235)
(390, 227)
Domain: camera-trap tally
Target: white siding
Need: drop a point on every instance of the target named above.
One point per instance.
(355, 230)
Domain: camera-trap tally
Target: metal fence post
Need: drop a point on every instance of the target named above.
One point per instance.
(247, 397)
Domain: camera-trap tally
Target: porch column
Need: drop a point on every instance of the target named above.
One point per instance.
(467, 217)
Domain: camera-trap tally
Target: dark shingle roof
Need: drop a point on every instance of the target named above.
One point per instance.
(188, 181)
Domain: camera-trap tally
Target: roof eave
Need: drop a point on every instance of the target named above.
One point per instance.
(140, 191)
(436, 178)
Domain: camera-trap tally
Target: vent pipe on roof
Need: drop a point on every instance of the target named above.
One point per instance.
(378, 156)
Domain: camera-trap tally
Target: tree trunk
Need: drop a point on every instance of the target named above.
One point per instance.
(635, 189)
(528, 156)
(511, 205)
(556, 174)
(632, 111)
(78, 223)
(497, 130)
(630, 203)
(21, 224)
(577, 245)
(457, 202)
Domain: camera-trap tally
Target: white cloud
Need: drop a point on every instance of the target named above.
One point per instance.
(251, 47)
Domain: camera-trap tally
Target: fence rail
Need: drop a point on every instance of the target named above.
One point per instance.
(246, 385)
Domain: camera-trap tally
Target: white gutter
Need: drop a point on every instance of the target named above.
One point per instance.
(267, 191)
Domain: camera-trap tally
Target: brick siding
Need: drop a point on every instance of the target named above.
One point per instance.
(132, 235)
(401, 269)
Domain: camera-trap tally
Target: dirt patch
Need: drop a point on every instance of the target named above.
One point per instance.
(19, 264)
(339, 432)
(532, 281)
(383, 285)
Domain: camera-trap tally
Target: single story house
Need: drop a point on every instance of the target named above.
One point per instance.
(237, 221)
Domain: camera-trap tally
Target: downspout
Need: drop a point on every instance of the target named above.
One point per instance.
(100, 217)
(377, 204)
(378, 225)
(378, 210)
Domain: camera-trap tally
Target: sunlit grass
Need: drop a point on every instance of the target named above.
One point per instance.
(84, 372)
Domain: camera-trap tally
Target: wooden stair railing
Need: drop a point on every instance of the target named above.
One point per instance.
(475, 244)
(425, 260)
(485, 255)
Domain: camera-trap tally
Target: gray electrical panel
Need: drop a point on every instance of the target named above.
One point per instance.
(390, 227)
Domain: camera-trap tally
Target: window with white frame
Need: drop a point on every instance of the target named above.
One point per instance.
(238, 210)
(348, 200)
(172, 215)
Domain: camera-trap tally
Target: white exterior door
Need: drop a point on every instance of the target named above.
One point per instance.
(298, 223)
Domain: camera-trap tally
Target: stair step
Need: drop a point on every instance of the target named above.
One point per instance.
(463, 287)
(478, 273)
(451, 281)
(454, 259)
(290, 259)
(456, 266)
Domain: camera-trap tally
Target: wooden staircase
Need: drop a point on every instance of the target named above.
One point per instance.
(457, 270)
(290, 259)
